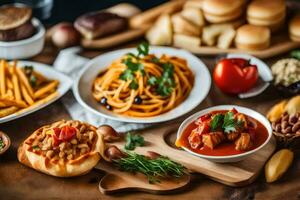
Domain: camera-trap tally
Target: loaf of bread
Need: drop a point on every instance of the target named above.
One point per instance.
(99, 24)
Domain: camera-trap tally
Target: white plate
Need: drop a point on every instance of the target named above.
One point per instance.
(231, 158)
(83, 85)
(64, 85)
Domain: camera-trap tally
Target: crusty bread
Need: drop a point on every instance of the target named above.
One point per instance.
(221, 7)
(266, 9)
(294, 28)
(12, 17)
(183, 26)
(251, 37)
(273, 25)
(212, 32)
(226, 38)
(161, 32)
(186, 41)
(79, 165)
(193, 15)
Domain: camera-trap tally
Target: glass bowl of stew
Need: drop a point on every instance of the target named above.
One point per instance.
(225, 133)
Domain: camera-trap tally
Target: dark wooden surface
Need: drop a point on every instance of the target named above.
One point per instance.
(20, 182)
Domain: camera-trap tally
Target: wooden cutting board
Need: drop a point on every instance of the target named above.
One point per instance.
(161, 140)
(280, 44)
(138, 25)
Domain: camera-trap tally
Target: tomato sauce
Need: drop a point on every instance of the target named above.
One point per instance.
(223, 149)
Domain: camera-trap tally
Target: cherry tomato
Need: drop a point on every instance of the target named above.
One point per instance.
(67, 133)
(63, 134)
(235, 75)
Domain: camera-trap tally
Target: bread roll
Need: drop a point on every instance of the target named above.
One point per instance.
(266, 9)
(251, 37)
(221, 7)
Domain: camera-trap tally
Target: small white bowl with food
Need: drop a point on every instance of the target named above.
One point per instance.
(21, 36)
(143, 85)
(225, 133)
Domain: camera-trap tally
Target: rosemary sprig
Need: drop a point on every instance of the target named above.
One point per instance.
(154, 169)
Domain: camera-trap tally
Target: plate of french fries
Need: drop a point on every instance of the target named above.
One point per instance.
(26, 87)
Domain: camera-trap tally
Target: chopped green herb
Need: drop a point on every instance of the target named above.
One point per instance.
(165, 83)
(143, 49)
(33, 80)
(133, 141)
(216, 122)
(134, 66)
(134, 85)
(154, 169)
(230, 124)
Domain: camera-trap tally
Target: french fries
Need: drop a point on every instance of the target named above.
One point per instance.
(22, 89)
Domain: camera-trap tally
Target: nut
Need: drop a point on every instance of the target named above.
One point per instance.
(296, 127)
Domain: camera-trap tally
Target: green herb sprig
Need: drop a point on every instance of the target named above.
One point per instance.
(226, 122)
(133, 141)
(216, 122)
(230, 123)
(154, 169)
(165, 83)
(28, 69)
(134, 66)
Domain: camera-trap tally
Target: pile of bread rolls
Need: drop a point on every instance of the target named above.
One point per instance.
(242, 24)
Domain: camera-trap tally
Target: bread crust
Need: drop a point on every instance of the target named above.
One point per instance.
(75, 167)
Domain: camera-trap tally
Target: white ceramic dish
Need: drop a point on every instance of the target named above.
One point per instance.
(83, 85)
(230, 158)
(264, 72)
(65, 84)
(25, 48)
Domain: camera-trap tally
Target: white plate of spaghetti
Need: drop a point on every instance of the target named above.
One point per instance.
(143, 85)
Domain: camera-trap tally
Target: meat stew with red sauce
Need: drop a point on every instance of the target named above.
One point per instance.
(223, 133)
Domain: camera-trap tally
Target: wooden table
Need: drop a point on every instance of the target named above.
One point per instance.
(20, 182)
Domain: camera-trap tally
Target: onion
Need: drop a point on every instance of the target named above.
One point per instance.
(65, 35)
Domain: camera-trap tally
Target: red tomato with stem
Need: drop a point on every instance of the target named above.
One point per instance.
(235, 75)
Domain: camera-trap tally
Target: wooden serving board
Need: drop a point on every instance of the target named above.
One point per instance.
(161, 140)
(280, 44)
(138, 25)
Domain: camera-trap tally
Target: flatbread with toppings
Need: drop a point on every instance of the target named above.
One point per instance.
(63, 149)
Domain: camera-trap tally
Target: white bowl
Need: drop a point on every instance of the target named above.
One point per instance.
(25, 48)
(65, 84)
(231, 158)
(83, 85)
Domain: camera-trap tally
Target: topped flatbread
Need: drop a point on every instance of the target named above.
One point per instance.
(63, 149)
